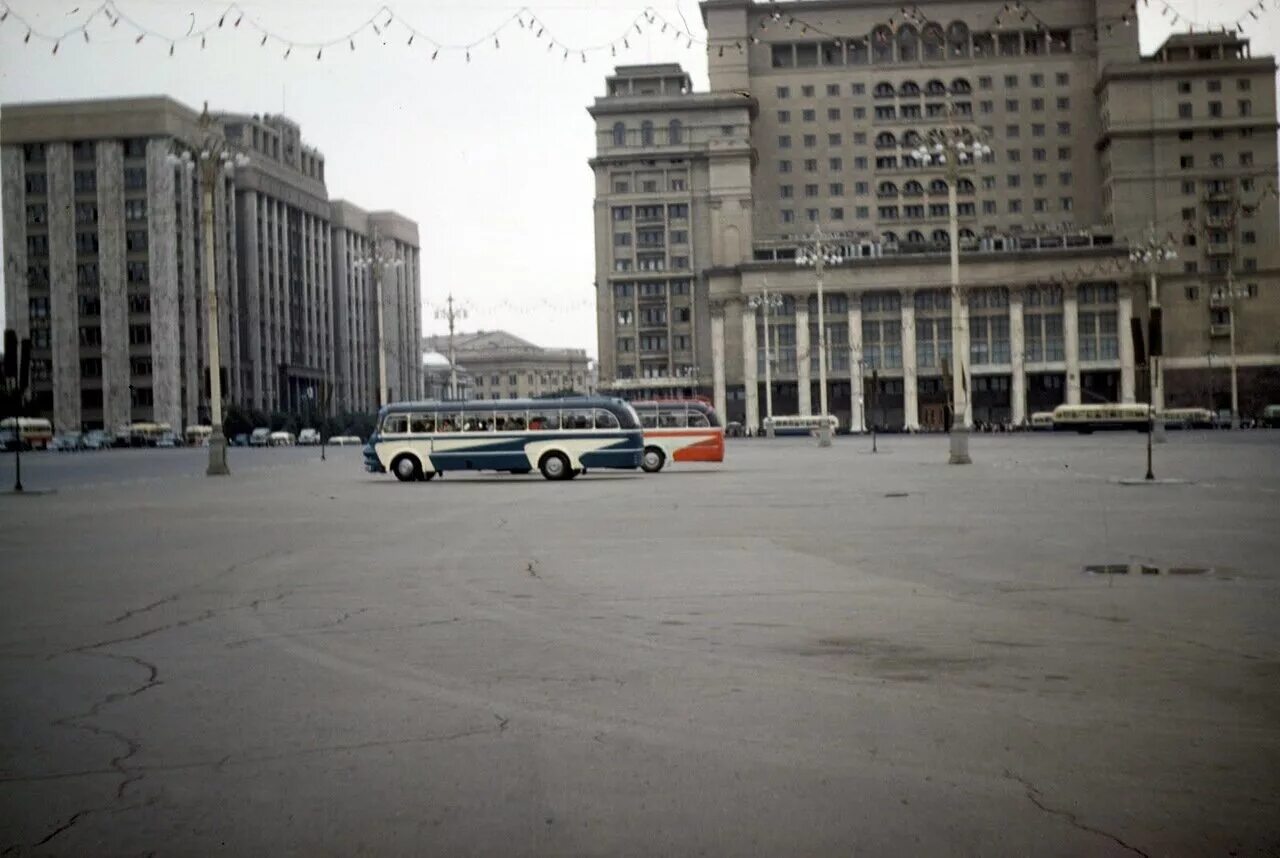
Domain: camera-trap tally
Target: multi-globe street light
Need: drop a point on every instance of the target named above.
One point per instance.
(378, 258)
(820, 251)
(216, 157)
(768, 303)
(955, 147)
(1150, 255)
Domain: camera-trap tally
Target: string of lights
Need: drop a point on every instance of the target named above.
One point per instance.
(1020, 10)
(382, 24)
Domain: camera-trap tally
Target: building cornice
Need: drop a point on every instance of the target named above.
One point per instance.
(622, 105)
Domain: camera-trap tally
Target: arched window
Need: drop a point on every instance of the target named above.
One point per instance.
(932, 43)
(646, 133)
(619, 134)
(967, 236)
(957, 40)
(910, 140)
(941, 236)
(883, 90)
(887, 189)
(908, 44)
(964, 186)
(984, 45)
(886, 140)
(882, 45)
(915, 237)
(674, 131)
(960, 86)
(913, 189)
(889, 237)
(935, 87)
(938, 186)
(909, 87)
(856, 51)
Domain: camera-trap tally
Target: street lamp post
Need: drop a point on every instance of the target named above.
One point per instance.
(768, 303)
(378, 258)
(1150, 255)
(818, 254)
(451, 313)
(954, 146)
(216, 158)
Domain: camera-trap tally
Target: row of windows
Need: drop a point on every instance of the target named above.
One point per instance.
(674, 133)
(650, 316)
(653, 289)
(649, 186)
(933, 87)
(1216, 159)
(531, 420)
(907, 44)
(656, 343)
(894, 162)
(1244, 107)
(674, 211)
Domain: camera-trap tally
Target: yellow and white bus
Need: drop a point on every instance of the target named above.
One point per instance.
(198, 435)
(1101, 417)
(1042, 421)
(34, 433)
(1187, 418)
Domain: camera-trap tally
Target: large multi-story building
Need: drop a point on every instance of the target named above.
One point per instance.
(704, 200)
(500, 365)
(103, 255)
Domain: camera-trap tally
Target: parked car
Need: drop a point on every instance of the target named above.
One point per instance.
(9, 441)
(308, 437)
(168, 439)
(282, 439)
(261, 437)
(67, 442)
(346, 441)
(1271, 417)
(241, 440)
(98, 439)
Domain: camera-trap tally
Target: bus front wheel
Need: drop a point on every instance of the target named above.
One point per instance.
(652, 460)
(555, 466)
(406, 469)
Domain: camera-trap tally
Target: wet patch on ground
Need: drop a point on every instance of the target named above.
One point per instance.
(1146, 569)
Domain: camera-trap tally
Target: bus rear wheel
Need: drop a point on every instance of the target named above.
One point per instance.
(652, 460)
(406, 469)
(555, 466)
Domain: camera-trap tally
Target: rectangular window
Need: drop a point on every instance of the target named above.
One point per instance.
(787, 192)
(834, 140)
(833, 114)
(85, 181)
(784, 141)
(1215, 109)
(784, 116)
(784, 166)
(1064, 153)
(135, 178)
(1064, 103)
(809, 115)
(836, 189)
(835, 164)
(810, 140)
(783, 92)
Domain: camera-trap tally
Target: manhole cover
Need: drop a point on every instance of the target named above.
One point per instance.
(1144, 569)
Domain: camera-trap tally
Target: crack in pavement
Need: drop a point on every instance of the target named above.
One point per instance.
(331, 629)
(1033, 795)
(133, 612)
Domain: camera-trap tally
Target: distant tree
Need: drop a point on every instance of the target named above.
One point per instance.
(239, 421)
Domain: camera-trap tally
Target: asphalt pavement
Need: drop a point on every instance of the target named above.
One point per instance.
(802, 651)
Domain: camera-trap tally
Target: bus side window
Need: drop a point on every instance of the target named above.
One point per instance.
(671, 419)
(420, 423)
(699, 420)
(395, 424)
(577, 420)
(649, 420)
(606, 420)
(544, 421)
(446, 424)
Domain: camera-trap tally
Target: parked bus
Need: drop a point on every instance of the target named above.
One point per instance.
(1042, 421)
(33, 433)
(560, 437)
(1187, 418)
(1101, 417)
(143, 434)
(679, 430)
(801, 424)
(198, 435)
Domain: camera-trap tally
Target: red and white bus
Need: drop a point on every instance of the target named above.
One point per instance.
(680, 430)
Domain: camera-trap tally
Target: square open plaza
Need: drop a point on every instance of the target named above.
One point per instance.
(802, 651)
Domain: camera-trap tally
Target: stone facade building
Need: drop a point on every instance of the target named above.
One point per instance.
(703, 201)
(103, 256)
(500, 365)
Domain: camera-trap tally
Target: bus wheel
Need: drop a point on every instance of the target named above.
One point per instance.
(406, 469)
(555, 466)
(652, 460)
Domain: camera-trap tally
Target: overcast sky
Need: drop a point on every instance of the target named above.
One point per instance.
(489, 157)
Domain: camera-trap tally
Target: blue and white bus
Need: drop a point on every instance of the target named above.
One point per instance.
(559, 437)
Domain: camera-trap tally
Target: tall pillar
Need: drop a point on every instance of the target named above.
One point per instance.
(717, 359)
(17, 294)
(1017, 357)
(857, 417)
(961, 345)
(113, 284)
(802, 354)
(248, 201)
(1125, 333)
(750, 377)
(192, 321)
(64, 306)
(162, 258)
(910, 376)
(1071, 341)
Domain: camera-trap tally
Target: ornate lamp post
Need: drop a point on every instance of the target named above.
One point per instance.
(1150, 256)
(818, 254)
(768, 303)
(378, 258)
(955, 147)
(215, 158)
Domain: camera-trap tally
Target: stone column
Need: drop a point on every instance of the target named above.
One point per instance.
(166, 366)
(719, 395)
(17, 293)
(1071, 341)
(802, 355)
(1017, 357)
(750, 376)
(64, 306)
(189, 288)
(113, 287)
(857, 421)
(248, 202)
(1125, 333)
(910, 371)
